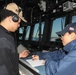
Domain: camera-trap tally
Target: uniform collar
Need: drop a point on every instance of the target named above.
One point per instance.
(5, 30)
(70, 46)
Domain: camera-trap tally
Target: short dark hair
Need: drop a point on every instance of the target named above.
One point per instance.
(5, 13)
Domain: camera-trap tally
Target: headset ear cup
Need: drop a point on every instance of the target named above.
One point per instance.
(15, 18)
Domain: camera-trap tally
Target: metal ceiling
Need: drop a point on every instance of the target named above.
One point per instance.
(32, 10)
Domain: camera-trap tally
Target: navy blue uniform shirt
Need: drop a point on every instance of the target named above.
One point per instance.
(8, 53)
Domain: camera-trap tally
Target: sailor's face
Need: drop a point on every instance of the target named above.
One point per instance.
(15, 25)
(66, 38)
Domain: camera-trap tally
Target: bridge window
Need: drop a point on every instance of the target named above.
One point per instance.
(21, 33)
(27, 32)
(58, 25)
(73, 19)
(21, 29)
(35, 36)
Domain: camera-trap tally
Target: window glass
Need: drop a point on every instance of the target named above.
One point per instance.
(73, 19)
(21, 29)
(27, 32)
(35, 36)
(58, 25)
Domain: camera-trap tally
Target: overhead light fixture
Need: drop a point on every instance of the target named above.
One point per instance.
(42, 5)
(74, 4)
(54, 11)
(67, 6)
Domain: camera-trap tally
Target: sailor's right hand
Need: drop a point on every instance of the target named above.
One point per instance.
(35, 57)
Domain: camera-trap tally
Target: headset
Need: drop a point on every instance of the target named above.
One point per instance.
(15, 18)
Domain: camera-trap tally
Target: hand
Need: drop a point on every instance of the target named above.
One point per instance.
(35, 57)
(44, 62)
(24, 54)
